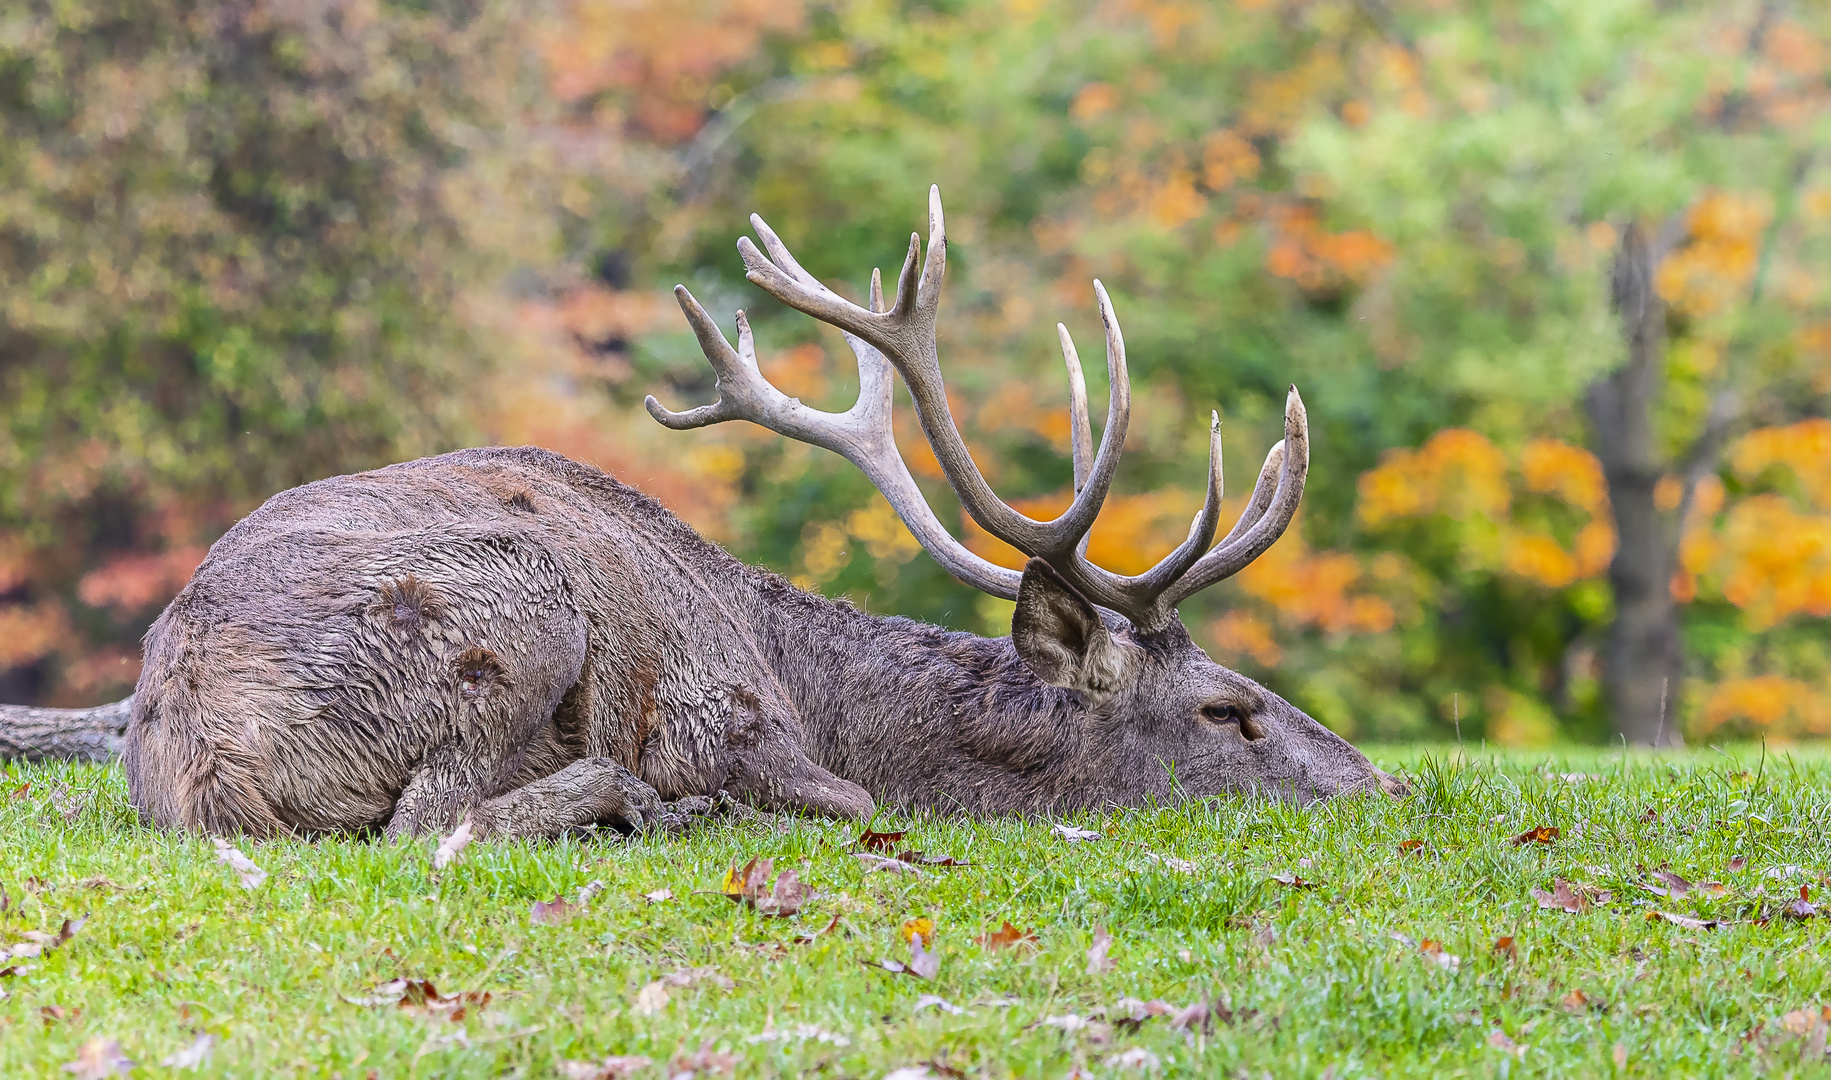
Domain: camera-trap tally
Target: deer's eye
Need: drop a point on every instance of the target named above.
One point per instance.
(1219, 713)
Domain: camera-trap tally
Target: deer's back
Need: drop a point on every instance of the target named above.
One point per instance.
(323, 644)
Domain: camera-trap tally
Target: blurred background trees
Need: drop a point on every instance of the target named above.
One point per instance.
(251, 244)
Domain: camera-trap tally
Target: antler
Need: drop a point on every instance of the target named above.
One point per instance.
(903, 337)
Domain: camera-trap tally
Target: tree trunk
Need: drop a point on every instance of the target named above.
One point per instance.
(29, 734)
(1643, 659)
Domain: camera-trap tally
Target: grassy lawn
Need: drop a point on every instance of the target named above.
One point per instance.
(1386, 966)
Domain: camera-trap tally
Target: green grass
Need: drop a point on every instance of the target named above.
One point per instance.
(1316, 979)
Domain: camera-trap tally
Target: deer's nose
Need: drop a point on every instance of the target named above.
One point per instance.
(1393, 786)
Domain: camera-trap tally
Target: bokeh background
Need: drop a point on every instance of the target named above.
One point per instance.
(1539, 267)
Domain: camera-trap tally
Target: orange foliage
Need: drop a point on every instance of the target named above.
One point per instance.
(1315, 588)
(1711, 270)
(667, 55)
(31, 632)
(132, 583)
(1316, 259)
(1768, 704)
(1805, 448)
(1768, 559)
(1571, 473)
(1131, 534)
(1242, 633)
(1457, 472)
(1226, 157)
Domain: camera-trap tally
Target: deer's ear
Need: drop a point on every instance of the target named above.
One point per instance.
(1060, 635)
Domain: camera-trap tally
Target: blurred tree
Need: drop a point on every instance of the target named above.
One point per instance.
(235, 244)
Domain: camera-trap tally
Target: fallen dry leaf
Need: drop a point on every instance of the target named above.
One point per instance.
(659, 896)
(700, 1062)
(918, 858)
(751, 885)
(611, 1068)
(99, 1058)
(1433, 951)
(1007, 937)
(806, 936)
(935, 1001)
(919, 928)
(1074, 835)
(1506, 946)
(20, 792)
(1406, 847)
(1292, 881)
(71, 926)
(551, 912)
(421, 998)
(1561, 898)
(1620, 1054)
(450, 846)
(1098, 963)
(922, 963)
(651, 999)
(1800, 909)
(1499, 1041)
(1135, 1058)
(1579, 1002)
(251, 875)
(1737, 863)
(98, 882)
(1171, 862)
(6, 902)
(1543, 834)
(1670, 884)
(797, 1033)
(876, 864)
(880, 841)
(194, 1056)
(1683, 922)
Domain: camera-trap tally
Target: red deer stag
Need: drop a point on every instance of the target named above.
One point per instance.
(511, 635)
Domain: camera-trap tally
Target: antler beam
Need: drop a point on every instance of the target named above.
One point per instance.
(902, 337)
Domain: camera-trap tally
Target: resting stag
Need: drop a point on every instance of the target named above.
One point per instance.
(507, 634)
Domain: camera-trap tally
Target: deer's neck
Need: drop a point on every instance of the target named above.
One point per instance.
(922, 716)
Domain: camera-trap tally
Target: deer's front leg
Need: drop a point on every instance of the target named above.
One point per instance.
(586, 792)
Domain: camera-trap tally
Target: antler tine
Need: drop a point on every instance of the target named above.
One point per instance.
(862, 434)
(1151, 584)
(1080, 431)
(1248, 543)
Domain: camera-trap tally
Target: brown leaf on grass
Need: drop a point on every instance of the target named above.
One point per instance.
(1800, 909)
(806, 936)
(1561, 898)
(918, 858)
(194, 1056)
(1507, 947)
(1171, 862)
(922, 963)
(421, 998)
(1620, 1056)
(1498, 1040)
(10, 970)
(1407, 847)
(923, 928)
(99, 1058)
(1543, 834)
(20, 792)
(35, 884)
(611, 1068)
(450, 846)
(1737, 863)
(1649, 814)
(880, 841)
(57, 1014)
(1007, 937)
(552, 912)
(1683, 922)
(1434, 952)
(1130, 1013)
(659, 896)
(1670, 885)
(1292, 881)
(1074, 835)
(6, 902)
(1098, 963)
(100, 882)
(752, 885)
(251, 876)
(701, 1062)
(70, 927)
(883, 864)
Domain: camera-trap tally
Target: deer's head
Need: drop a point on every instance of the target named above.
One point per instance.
(1155, 702)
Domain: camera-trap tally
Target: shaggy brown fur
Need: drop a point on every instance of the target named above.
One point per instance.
(398, 648)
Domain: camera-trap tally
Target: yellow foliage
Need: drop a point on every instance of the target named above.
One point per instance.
(1514, 719)
(1768, 704)
(1540, 558)
(1457, 472)
(881, 531)
(1771, 561)
(1569, 472)
(1131, 534)
(1242, 633)
(1315, 588)
(1804, 447)
(823, 550)
(1709, 272)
